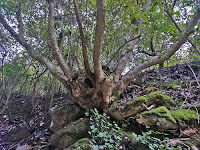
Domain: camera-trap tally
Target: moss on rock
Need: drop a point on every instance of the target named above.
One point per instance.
(161, 112)
(131, 108)
(184, 114)
(161, 99)
(72, 133)
(82, 144)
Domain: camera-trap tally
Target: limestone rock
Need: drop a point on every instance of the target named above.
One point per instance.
(62, 116)
(71, 134)
(131, 108)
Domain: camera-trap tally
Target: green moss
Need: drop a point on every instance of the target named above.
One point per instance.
(193, 107)
(184, 114)
(142, 99)
(154, 97)
(160, 111)
(137, 104)
(82, 144)
(161, 99)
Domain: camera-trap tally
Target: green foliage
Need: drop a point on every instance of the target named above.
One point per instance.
(107, 135)
(154, 140)
(104, 133)
(13, 67)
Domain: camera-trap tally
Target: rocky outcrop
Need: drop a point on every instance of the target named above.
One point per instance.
(162, 118)
(71, 134)
(131, 108)
(62, 116)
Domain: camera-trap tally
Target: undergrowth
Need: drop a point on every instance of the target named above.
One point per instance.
(107, 135)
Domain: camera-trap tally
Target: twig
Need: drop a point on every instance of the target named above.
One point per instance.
(197, 113)
(194, 74)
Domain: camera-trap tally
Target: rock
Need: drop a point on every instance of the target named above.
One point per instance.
(159, 117)
(62, 116)
(82, 144)
(185, 115)
(131, 108)
(71, 134)
(163, 118)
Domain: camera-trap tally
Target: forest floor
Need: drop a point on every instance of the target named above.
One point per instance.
(21, 126)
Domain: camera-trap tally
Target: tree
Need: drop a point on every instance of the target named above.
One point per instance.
(94, 71)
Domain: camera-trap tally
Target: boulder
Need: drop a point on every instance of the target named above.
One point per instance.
(82, 144)
(131, 108)
(166, 119)
(71, 134)
(62, 116)
(159, 117)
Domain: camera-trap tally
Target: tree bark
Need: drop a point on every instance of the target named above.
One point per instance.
(84, 48)
(98, 72)
(54, 44)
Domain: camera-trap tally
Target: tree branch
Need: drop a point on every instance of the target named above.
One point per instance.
(19, 19)
(84, 48)
(73, 51)
(98, 72)
(119, 48)
(31, 52)
(180, 30)
(159, 59)
(124, 60)
(54, 45)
